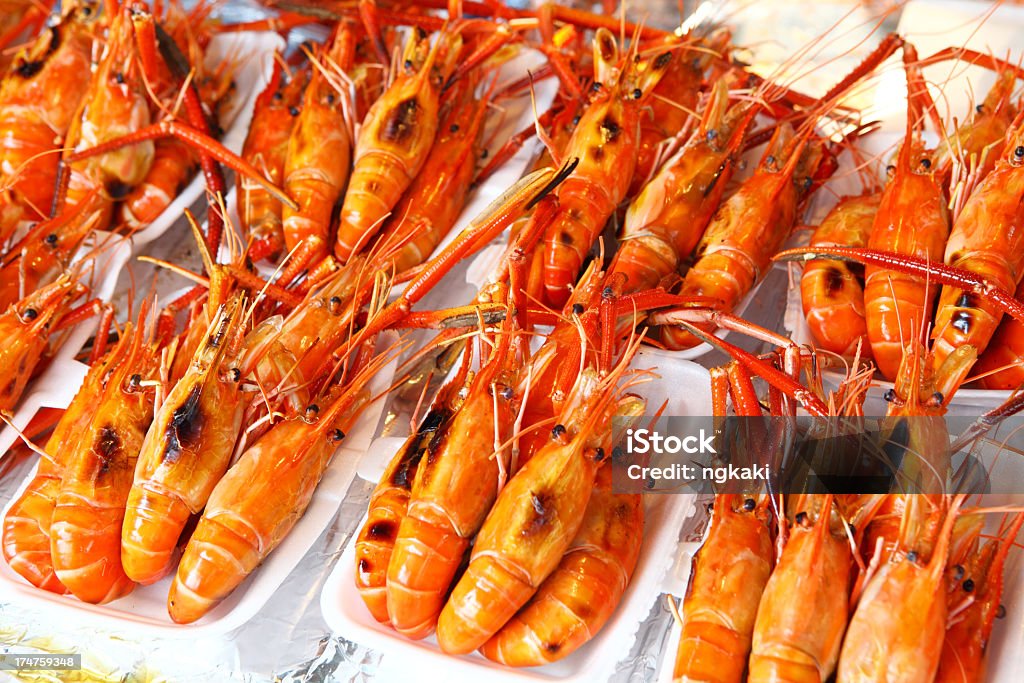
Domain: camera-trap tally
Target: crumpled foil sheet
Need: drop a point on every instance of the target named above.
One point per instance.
(288, 641)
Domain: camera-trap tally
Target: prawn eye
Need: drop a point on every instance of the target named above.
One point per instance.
(749, 504)
(637, 94)
(577, 309)
(337, 436)
(801, 518)
(557, 431)
(51, 239)
(889, 395)
(30, 314)
(926, 163)
(1019, 152)
(912, 556)
(235, 374)
(312, 410)
(134, 382)
(968, 585)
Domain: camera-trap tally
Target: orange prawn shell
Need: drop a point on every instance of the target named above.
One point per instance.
(1002, 364)
(832, 292)
(39, 98)
(26, 327)
(319, 155)
(736, 249)
(912, 219)
(667, 219)
(116, 104)
(572, 605)
(390, 500)
(250, 511)
(455, 487)
(437, 196)
(730, 573)
(85, 529)
(987, 239)
(26, 526)
(186, 451)
(394, 141)
(605, 142)
(800, 641)
(898, 628)
(266, 148)
(522, 541)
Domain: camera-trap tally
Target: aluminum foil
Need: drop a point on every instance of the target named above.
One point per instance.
(288, 641)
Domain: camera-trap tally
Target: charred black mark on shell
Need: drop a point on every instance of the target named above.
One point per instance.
(962, 321)
(432, 421)
(29, 68)
(967, 300)
(118, 190)
(541, 517)
(185, 426)
(834, 280)
(107, 446)
(403, 475)
(565, 237)
(382, 531)
(401, 121)
(610, 128)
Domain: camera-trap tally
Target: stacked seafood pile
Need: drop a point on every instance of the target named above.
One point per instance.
(204, 425)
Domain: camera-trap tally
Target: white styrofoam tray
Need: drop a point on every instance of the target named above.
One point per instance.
(55, 387)
(686, 387)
